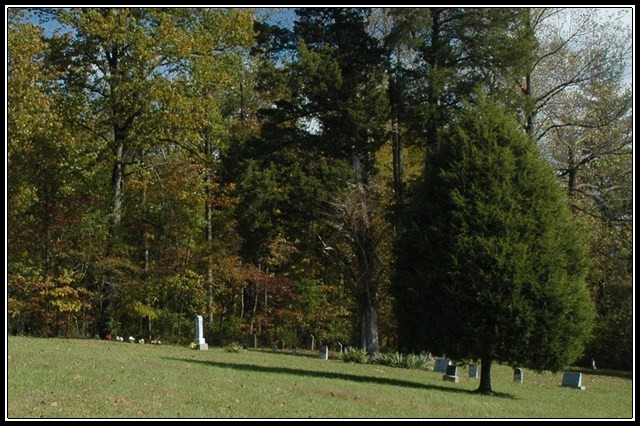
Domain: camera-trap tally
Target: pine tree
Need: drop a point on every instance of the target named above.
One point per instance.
(490, 264)
(336, 108)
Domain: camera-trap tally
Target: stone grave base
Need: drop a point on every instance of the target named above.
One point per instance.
(202, 347)
(454, 379)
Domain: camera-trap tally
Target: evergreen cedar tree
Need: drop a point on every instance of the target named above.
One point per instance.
(490, 264)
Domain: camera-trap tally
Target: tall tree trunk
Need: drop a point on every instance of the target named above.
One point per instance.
(117, 184)
(485, 376)
(209, 231)
(208, 216)
(368, 319)
(221, 323)
(529, 102)
(145, 249)
(105, 313)
(433, 97)
(529, 105)
(254, 310)
(119, 127)
(365, 272)
(395, 98)
(572, 171)
(398, 184)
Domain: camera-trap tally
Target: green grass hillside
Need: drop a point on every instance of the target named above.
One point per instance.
(56, 378)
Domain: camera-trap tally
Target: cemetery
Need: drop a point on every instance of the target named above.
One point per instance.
(336, 212)
(87, 378)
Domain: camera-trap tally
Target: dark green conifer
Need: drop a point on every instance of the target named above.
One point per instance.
(490, 263)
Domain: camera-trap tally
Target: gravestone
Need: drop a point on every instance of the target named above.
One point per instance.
(199, 340)
(294, 351)
(451, 374)
(518, 375)
(324, 353)
(571, 379)
(473, 371)
(441, 365)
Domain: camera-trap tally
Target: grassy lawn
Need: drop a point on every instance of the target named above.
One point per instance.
(58, 378)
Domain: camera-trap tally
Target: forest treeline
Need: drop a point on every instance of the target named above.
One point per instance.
(262, 172)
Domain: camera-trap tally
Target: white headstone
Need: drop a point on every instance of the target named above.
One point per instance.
(518, 375)
(199, 340)
(324, 353)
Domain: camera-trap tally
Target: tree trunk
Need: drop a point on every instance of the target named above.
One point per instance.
(528, 106)
(208, 217)
(117, 183)
(254, 310)
(529, 101)
(209, 231)
(572, 171)
(398, 184)
(433, 97)
(221, 323)
(398, 179)
(485, 376)
(368, 319)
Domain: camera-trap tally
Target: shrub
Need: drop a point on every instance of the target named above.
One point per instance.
(402, 361)
(380, 358)
(390, 359)
(234, 347)
(355, 355)
(416, 361)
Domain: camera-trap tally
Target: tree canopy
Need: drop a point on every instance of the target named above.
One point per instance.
(257, 167)
(491, 265)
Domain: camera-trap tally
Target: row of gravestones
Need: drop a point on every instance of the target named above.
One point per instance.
(570, 379)
(324, 351)
(201, 345)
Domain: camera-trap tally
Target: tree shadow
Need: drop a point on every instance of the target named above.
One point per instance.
(283, 352)
(603, 372)
(338, 376)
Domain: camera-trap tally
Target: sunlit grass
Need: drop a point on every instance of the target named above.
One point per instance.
(55, 378)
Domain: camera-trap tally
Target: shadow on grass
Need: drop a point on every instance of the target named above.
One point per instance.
(339, 376)
(300, 354)
(609, 373)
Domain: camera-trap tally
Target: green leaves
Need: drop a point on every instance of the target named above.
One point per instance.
(176, 167)
(491, 252)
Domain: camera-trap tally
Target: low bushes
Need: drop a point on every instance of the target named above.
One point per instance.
(396, 359)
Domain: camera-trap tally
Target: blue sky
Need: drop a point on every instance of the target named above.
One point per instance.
(284, 16)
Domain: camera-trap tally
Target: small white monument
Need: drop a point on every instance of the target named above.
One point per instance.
(518, 375)
(199, 341)
(324, 353)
